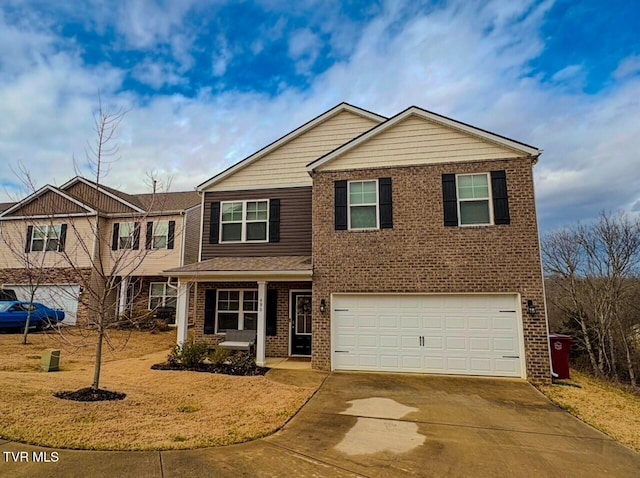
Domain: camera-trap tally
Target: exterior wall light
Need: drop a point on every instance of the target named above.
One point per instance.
(531, 308)
(323, 306)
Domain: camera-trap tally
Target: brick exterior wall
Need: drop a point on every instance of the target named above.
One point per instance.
(420, 254)
(277, 345)
(54, 276)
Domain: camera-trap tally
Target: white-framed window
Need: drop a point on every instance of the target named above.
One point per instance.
(162, 295)
(474, 199)
(363, 205)
(46, 238)
(160, 237)
(244, 221)
(236, 310)
(125, 235)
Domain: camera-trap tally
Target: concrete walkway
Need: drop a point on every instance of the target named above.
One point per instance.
(380, 425)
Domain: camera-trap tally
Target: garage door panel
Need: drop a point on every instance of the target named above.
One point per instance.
(454, 334)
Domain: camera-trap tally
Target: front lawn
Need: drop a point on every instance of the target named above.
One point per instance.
(602, 405)
(162, 409)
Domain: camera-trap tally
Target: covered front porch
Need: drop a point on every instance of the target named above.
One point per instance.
(271, 295)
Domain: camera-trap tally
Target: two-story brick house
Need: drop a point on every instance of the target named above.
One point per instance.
(367, 243)
(61, 234)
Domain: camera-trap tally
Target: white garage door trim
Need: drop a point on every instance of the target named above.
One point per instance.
(66, 299)
(417, 351)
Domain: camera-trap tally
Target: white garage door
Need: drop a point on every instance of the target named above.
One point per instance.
(448, 334)
(63, 297)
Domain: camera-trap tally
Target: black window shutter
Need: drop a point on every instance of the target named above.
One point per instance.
(500, 197)
(136, 236)
(340, 216)
(62, 240)
(450, 199)
(210, 311)
(172, 235)
(272, 312)
(149, 238)
(386, 203)
(214, 223)
(114, 239)
(274, 220)
(27, 245)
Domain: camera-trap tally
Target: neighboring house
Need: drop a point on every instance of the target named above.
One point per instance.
(407, 244)
(62, 231)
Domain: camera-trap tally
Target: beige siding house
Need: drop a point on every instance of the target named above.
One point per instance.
(58, 241)
(407, 244)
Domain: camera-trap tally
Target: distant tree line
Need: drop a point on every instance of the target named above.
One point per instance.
(593, 293)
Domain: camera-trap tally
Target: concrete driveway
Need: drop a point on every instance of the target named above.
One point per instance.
(385, 425)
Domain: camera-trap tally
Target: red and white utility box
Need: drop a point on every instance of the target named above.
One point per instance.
(560, 349)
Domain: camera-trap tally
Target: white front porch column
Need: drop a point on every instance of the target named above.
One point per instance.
(122, 300)
(182, 312)
(261, 332)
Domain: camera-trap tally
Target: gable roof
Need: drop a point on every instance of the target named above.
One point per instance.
(41, 192)
(124, 198)
(289, 137)
(430, 116)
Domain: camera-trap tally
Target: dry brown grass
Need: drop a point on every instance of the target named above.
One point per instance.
(162, 410)
(600, 404)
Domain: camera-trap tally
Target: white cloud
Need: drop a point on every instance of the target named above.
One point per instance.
(628, 67)
(304, 48)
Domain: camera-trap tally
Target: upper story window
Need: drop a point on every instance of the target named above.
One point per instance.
(363, 204)
(46, 238)
(244, 221)
(125, 235)
(160, 236)
(474, 199)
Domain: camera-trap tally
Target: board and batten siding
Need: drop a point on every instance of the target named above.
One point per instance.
(48, 204)
(417, 141)
(96, 199)
(295, 224)
(287, 164)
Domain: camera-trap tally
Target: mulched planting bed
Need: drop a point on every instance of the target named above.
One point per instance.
(90, 395)
(225, 369)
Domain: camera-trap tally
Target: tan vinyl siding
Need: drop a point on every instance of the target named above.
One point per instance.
(141, 262)
(286, 166)
(192, 235)
(78, 246)
(96, 199)
(49, 203)
(295, 224)
(417, 141)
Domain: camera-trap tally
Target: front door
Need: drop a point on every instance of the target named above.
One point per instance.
(301, 323)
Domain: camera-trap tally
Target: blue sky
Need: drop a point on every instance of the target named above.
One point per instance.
(207, 83)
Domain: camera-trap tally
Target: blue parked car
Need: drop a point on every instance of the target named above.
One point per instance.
(13, 315)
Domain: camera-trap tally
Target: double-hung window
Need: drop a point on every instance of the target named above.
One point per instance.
(162, 295)
(474, 199)
(160, 236)
(363, 205)
(244, 221)
(237, 310)
(46, 238)
(125, 235)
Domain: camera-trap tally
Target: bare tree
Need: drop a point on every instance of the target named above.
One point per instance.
(592, 273)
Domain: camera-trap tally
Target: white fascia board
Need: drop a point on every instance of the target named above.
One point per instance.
(239, 276)
(40, 192)
(428, 115)
(287, 138)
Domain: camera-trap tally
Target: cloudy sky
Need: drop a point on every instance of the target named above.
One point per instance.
(207, 83)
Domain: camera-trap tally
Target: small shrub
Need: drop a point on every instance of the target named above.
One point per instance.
(219, 356)
(242, 363)
(190, 355)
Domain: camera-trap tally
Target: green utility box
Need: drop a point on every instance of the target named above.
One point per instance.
(50, 361)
